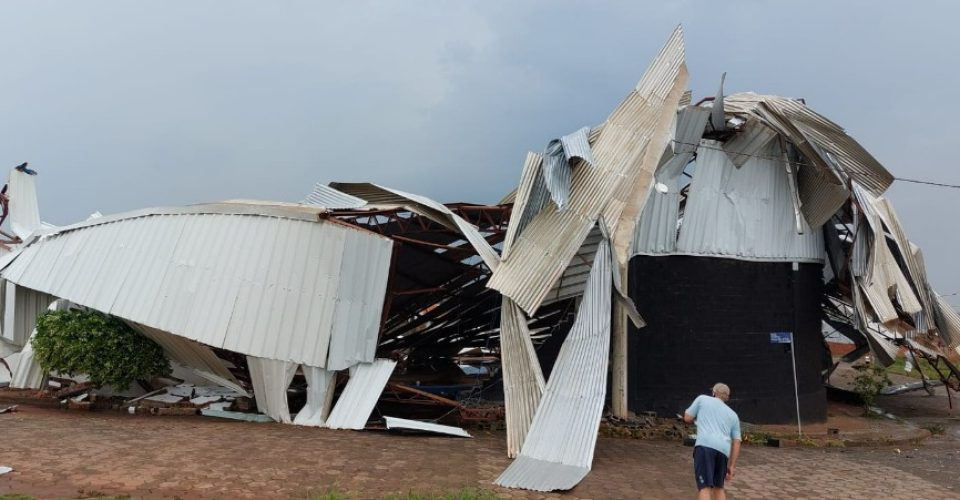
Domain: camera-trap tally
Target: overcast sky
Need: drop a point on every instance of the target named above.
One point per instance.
(121, 105)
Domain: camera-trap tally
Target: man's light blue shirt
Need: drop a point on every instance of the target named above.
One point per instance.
(717, 424)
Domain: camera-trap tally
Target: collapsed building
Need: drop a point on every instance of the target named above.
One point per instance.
(636, 263)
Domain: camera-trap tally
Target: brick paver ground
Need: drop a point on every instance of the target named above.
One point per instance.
(66, 454)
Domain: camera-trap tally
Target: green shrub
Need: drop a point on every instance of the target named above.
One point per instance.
(868, 383)
(102, 347)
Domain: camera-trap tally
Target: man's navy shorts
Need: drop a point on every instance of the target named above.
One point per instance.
(709, 467)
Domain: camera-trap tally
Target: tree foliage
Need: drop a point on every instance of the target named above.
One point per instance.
(870, 380)
(100, 346)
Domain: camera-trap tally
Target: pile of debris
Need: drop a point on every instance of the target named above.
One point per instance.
(190, 399)
(647, 426)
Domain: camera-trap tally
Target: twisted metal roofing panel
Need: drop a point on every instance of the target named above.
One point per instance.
(262, 285)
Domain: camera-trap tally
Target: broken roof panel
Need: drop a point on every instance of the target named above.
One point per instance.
(258, 284)
(558, 450)
(437, 212)
(825, 144)
(543, 250)
(326, 196)
(744, 213)
(359, 397)
(24, 211)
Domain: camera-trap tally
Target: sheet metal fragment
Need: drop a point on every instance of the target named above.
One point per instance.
(558, 451)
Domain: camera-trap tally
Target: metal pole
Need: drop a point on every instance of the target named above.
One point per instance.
(796, 391)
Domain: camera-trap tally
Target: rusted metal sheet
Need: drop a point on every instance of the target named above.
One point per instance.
(437, 212)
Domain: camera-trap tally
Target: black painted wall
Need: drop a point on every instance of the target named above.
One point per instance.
(709, 320)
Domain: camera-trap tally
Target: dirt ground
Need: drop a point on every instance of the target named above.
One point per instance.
(59, 454)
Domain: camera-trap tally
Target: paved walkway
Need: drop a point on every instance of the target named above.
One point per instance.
(68, 454)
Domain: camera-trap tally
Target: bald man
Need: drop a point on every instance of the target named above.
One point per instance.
(718, 442)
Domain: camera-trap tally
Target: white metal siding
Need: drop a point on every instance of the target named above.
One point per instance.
(24, 210)
(22, 306)
(269, 287)
(558, 450)
(358, 398)
(744, 213)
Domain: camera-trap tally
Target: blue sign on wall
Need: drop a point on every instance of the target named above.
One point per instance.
(781, 337)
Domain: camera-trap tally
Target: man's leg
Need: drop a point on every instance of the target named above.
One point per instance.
(705, 494)
(719, 494)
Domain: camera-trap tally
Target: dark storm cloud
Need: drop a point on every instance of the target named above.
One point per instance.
(121, 104)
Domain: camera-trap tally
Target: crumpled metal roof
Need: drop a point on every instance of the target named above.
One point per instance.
(326, 196)
(835, 155)
(743, 213)
(24, 209)
(631, 134)
(558, 450)
(274, 281)
(358, 398)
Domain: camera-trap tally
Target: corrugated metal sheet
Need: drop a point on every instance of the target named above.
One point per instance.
(744, 213)
(24, 211)
(402, 423)
(523, 380)
(28, 373)
(718, 119)
(752, 138)
(884, 275)
(186, 352)
(22, 306)
(437, 212)
(358, 398)
(884, 351)
(820, 197)
(813, 135)
(320, 386)
(531, 196)
(265, 286)
(574, 277)
(558, 451)
(271, 378)
(914, 267)
(542, 252)
(656, 230)
(948, 322)
(557, 170)
(326, 196)
(623, 211)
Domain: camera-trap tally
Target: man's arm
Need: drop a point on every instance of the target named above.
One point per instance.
(690, 414)
(734, 454)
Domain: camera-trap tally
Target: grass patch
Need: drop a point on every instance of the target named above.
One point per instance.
(331, 494)
(15, 496)
(922, 366)
(461, 494)
(808, 442)
(935, 429)
(760, 438)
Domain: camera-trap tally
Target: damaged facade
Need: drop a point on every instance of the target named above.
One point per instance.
(629, 253)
